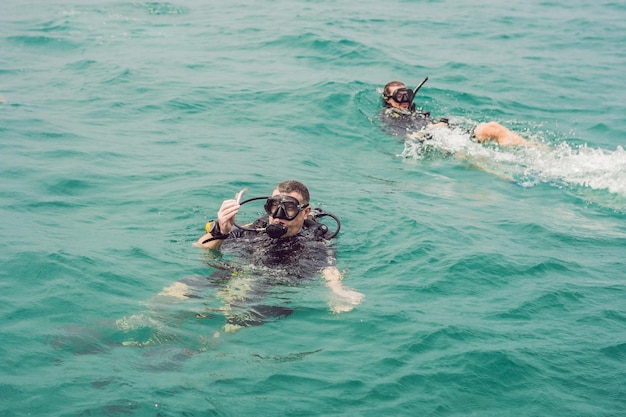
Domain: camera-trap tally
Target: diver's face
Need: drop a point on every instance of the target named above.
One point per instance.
(294, 225)
(392, 102)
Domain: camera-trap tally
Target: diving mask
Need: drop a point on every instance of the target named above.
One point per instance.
(402, 95)
(283, 207)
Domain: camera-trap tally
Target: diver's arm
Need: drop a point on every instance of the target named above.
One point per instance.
(495, 131)
(226, 219)
(441, 123)
(206, 242)
(425, 131)
(346, 299)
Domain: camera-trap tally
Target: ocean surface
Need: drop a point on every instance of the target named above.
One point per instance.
(494, 278)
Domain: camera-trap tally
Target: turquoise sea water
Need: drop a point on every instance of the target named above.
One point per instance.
(494, 278)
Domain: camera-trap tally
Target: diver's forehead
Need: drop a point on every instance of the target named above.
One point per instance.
(293, 194)
(396, 87)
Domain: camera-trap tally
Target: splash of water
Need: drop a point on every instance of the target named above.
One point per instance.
(562, 165)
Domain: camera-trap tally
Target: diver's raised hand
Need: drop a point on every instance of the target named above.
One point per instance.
(226, 215)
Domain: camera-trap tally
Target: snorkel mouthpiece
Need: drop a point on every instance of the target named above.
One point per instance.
(275, 230)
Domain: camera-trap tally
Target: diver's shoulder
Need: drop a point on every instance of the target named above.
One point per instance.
(314, 230)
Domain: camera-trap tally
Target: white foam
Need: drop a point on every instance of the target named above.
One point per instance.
(561, 165)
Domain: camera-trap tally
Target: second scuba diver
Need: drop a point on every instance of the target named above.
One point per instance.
(401, 118)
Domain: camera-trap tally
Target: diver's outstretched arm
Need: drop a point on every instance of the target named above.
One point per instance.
(502, 135)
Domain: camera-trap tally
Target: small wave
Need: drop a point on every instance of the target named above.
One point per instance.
(40, 41)
(164, 8)
(318, 48)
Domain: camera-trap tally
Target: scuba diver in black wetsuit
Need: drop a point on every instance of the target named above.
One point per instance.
(400, 118)
(286, 245)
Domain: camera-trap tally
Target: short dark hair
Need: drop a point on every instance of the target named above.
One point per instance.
(293, 185)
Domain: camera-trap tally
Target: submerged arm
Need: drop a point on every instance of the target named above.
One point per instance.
(346, 299)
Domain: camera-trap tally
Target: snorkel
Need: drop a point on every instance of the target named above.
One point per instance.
(411, 104)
